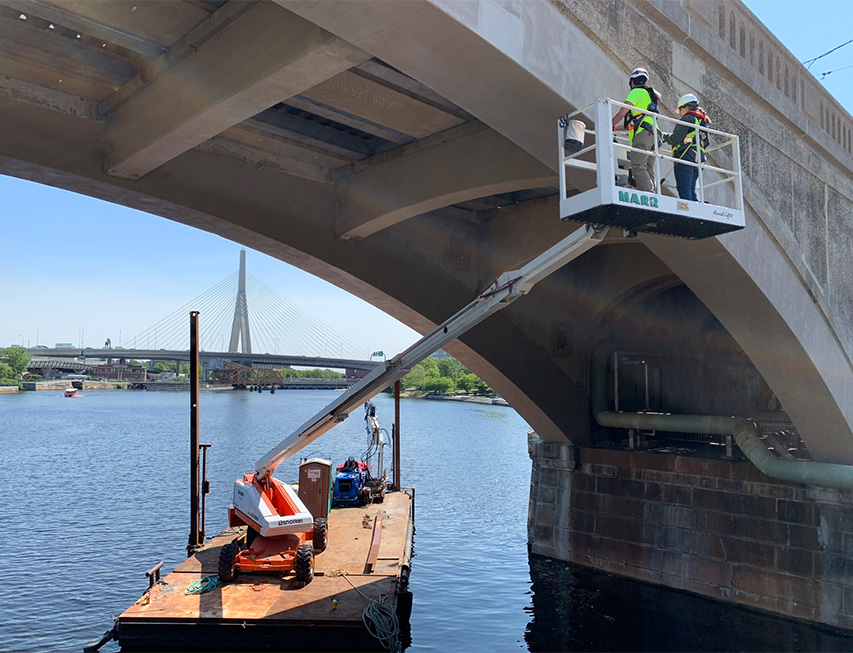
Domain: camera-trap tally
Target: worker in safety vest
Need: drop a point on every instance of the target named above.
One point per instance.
(640, 128)
(688, 144)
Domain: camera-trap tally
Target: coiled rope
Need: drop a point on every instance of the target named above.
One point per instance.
(378, 617)
(203, 585)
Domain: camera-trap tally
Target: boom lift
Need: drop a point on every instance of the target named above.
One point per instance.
(282, 529)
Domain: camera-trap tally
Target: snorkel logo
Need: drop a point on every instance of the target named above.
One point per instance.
(636, 198)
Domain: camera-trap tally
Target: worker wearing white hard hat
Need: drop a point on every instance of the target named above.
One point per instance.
(688, 145)
(640, 127)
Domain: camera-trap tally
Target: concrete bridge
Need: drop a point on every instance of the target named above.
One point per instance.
(405, 151)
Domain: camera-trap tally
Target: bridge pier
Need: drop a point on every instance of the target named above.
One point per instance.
(715, 527)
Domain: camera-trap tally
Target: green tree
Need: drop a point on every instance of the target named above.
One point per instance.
(481, 388)
(451, 368)
(440, 385)
(420, 374)
(17, 358)
(6, 371)
(468, 382)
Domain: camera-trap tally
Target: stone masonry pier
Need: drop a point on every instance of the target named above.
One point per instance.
(716, 527)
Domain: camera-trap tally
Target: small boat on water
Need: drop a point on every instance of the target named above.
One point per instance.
(71, 392)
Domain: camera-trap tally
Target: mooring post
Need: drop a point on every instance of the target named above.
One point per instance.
(194, 542)
(395, 436)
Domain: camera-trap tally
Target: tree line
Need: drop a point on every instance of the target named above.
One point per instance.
(444, 376)
(13, 364)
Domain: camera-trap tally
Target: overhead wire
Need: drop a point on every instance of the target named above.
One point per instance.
(829, 72)
(808, 63)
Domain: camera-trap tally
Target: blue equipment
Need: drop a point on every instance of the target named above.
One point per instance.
(349, 482)
(354, 484)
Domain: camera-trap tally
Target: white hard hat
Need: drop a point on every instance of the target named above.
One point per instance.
(639, 72)
(687, 98)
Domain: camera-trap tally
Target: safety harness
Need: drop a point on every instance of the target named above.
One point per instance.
(704, 140)
(636, 122)
(679, 151)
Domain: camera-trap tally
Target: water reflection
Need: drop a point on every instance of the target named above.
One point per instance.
(579, 609)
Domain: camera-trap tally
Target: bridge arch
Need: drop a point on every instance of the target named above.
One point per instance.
(782, 288)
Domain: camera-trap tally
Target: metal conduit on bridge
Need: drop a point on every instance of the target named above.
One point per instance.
(746, 433)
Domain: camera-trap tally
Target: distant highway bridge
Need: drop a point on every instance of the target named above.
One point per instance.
(209, 360)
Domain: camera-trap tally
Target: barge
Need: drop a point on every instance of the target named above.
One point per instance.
(366, 564)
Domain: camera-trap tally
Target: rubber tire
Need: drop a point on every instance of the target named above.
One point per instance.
(321, 527)
(227, 560)
(303, 566)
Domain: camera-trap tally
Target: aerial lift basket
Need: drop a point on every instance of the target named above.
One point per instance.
(600, 172)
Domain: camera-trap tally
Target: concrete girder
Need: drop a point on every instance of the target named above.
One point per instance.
(396, 270)
(208, 90)
(505, 63)
(433, 174)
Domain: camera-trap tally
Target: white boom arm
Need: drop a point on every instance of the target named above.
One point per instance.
(507, 288)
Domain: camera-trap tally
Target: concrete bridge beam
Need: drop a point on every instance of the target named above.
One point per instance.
(524, 54)
(464, 164)
(242, 60)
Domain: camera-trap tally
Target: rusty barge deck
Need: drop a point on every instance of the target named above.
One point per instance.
(267, 611)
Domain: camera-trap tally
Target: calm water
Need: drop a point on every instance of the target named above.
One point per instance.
(96, 493)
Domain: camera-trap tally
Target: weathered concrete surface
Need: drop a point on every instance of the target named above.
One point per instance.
(208, 90)
(456, 166)
(463, 98)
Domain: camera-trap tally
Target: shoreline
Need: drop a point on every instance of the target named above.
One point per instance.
(468, 399)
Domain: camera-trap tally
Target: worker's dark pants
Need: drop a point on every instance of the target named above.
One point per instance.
(685, 181)
(686, 176)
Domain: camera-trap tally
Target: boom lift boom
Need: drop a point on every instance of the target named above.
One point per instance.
(506, 289)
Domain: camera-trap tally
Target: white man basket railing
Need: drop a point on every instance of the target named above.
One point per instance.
(606, 199)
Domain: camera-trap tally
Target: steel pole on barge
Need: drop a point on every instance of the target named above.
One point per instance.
(196, 538)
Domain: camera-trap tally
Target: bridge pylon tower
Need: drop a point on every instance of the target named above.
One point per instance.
(240, 325)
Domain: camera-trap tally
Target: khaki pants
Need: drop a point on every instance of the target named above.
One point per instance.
(643, 165)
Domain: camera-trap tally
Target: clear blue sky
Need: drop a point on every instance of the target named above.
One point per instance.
(808, 28)
(82, 267)
(76, 267)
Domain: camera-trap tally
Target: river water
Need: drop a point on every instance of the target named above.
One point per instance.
(96, 493)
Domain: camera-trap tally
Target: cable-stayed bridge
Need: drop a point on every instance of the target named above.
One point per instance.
(280, 332)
